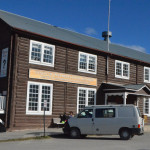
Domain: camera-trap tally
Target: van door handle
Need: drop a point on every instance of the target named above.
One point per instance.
(92, 121)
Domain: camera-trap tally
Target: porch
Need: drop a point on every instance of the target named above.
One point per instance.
(128, 94)
(124, 94)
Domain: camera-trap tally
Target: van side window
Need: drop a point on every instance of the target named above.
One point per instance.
(105, 113)
(87, 113)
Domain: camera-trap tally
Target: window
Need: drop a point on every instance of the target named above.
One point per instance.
(87, 113)
(147, 106)
(86, 96)
(42, 53)
(36, 95)
(105, 113)
(122, 69)
(87, 63)
(146, 74)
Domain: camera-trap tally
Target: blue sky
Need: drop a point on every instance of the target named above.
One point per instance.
(129, 19)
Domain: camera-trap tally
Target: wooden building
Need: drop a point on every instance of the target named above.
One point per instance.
(68, 70)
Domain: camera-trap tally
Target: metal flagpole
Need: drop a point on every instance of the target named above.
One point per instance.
(108, 37)
(108, 23)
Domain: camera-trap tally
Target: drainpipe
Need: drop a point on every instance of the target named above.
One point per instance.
(8, 82)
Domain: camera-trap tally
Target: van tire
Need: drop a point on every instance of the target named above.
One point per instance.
(125, 134)
(75, 133)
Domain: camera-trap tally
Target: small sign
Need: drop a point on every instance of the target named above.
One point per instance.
(4, 93)
(45, 103)
(4, 58)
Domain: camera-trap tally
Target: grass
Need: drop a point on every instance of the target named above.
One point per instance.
(25, 139)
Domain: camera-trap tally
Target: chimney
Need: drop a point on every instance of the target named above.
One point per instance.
(105, 35)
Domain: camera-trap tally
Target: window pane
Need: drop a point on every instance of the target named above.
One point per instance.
(147, 74)
(83, 61)
(48, 54)
(147, 106)
(36, 52)
(118, 69)
(82, 99)
(105, 113)
(87, 113)
(33, 97)
(46, 95)
(91, 95)
(125, 70)
(92, 63)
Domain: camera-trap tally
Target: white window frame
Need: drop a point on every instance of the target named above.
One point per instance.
(144, 107)
(42, 53)
(87, 70)
(122, 63)
(86, 102)
(147, 81)
(39, 112)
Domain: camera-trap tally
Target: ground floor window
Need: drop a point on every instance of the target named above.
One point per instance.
(37, 93)
(86, 96)
(147, 106)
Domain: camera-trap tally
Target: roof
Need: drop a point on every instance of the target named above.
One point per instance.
(113, 105)
(44, 29)
(134, 87)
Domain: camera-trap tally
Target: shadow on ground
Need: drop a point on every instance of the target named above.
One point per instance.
(41, 133)
(62, 136)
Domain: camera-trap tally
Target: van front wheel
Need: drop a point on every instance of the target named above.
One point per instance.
(125, 134)
(75, 133)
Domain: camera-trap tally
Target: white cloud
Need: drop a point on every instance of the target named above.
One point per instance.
(138, 48)
(90, 31)
(135, 47)
(70, 29)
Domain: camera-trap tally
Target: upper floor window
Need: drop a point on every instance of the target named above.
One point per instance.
(147, 106)
(36, 95)
(87, 63)
(146, 74)
(122, 69)
(86, 96)
(42, 53)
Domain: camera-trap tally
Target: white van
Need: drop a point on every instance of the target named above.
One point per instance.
(124, 120)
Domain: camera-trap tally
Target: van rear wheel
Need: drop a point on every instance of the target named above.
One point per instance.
(75, 133)
(125, 134)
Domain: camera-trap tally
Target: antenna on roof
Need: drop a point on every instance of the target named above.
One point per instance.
(107, 34)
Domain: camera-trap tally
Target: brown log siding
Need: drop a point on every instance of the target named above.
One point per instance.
(64, 94)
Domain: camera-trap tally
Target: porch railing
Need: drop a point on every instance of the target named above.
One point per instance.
(2, 104)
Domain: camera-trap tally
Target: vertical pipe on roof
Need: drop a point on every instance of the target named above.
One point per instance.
(108, 40)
